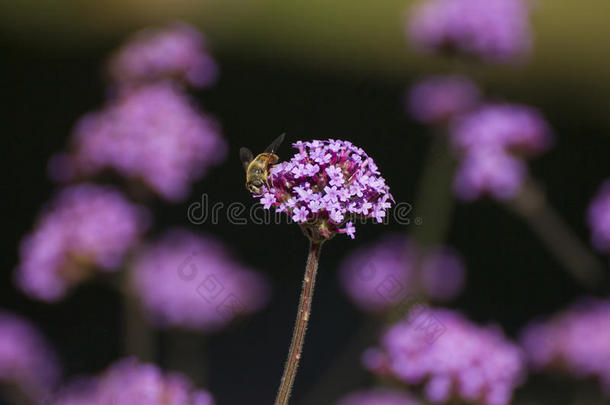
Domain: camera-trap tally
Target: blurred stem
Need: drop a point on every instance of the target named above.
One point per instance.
(187, 355)
(138, 336)
(434, 204)
(15, 395)
(300, 327)
(532, 205)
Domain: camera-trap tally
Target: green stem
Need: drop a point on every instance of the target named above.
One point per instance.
(531, 204)
(138, 336)
(300, 327)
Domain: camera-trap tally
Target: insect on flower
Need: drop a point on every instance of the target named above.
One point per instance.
(257, 168)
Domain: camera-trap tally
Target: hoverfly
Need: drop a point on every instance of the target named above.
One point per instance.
(257, 168)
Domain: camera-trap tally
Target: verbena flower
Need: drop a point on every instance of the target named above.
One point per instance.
(192, 281)
(575, 340)
(326, 186)
(129, 382)
(378, 396)
(490, 30)
(85, 227)
(493, 172)
(378, 276)
(599, 218)
(518, 129)
(153, 134)
(177, 52)
(492, 143)
(451, 357)
(438, 99)
(26, 359)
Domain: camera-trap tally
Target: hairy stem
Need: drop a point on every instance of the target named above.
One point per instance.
(300, 326)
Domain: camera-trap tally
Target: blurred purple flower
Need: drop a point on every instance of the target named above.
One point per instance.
(490, 30)
(437, 99)
(85, 227)
(177, 51)
(128, 382)
(326, 186)
(515, 128)
(575, 340)
(153, 134)
(599, 218)
(491, 143)
(491, 172)
(378, 396)
(26, 359)
(450, 356)
(192, 281)
(378, 276)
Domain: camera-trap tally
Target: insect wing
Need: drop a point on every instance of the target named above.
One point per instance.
(273, 147)
(246, 157)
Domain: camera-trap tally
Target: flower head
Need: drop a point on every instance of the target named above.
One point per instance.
(381, 275)
(26, 358)
(518, 129)
(327, 184)
(128, 382)
(153, 134)
(575, 341)
(438, 99)
(451, 357)
(378, 396)
(599, 218)
(177, 51)
(85, 227)
(490, 30)
(191, 281)
(491, 144)
(494, 173)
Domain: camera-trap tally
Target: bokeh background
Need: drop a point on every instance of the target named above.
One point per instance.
(314, 70)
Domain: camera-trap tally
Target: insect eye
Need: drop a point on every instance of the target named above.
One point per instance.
(257, 183)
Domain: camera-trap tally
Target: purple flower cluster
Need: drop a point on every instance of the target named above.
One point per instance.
(26, 358)
(492, 143)
(575, 340)
(599, 218)
(378, 396)
(451, 357)
(490, 30)
(85, 227)
(129, 382)
(438, 99)
(191, 281)
(326, 186)
(176, 52)
(379, 276)
(153, 134)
